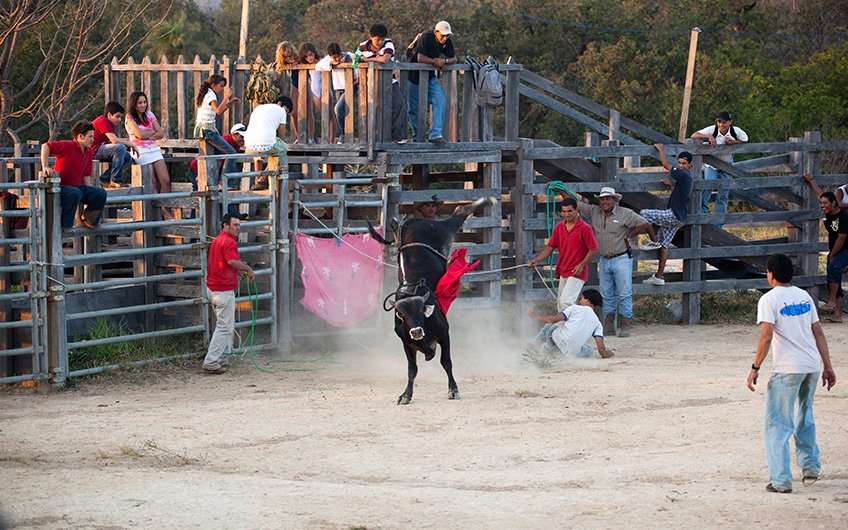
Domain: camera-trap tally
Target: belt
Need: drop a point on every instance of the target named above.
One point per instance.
(619, 254)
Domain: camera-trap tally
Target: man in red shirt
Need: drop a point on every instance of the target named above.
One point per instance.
(108, 147)
(224, 267)
(575, 241)
(73, 163)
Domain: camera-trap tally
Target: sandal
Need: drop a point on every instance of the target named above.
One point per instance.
(809, 480)
(833, 319)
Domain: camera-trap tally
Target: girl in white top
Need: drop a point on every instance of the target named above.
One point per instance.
(143, 129)
(207, 111)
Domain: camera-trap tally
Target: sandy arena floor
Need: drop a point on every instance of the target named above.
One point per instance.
(664, 435)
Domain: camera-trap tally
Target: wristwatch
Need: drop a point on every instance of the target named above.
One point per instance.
(754, 367)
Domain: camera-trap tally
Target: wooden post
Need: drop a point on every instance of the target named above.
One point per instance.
(423, 107)
(303, 106)
(451, 93)
(810, 228)
(210, 215)
(181, 100)
(142, 177)
(524, 204)
(614, 125)
(511, 117)
(492, 180)
(348, 98)
(363, 106)
(245, 20)
(687, 89)
(609, 165)
(164, 97)
(281, 255)
(147, 81)
(468, 108)
(5, 307)
(796, 160)
(692, 268)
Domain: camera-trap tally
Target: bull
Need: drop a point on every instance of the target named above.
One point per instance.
(420, 323)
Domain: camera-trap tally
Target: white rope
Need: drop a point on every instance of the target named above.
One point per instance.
(545, 283)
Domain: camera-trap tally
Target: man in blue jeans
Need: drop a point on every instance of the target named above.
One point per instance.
(73, 163)
(434, 48)
(787, 317)
(723, 132)
(108, 146)
(836, 224)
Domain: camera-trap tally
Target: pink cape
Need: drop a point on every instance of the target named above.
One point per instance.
(447, 290)
(342, 286)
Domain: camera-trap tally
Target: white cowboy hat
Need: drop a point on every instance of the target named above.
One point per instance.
(607, 191)
(238, 128)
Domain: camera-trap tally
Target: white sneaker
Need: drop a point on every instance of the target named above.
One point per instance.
(650, 245)
(653, 280)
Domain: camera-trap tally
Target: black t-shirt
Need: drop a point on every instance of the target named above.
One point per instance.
(679, 200)
(835, 225)
(429, 46)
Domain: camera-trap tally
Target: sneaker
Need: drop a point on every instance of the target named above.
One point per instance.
(402, 141)
(340, 140)
(653, 280)
(109, 185)
(650, 245)
(810, 478)
(772, 489)
(438, 141)
(214, 368)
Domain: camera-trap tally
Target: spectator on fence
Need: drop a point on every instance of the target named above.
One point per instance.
(379, 48)
(144, 130)
(335, 57)
(576, 244)
(790, 326)
(672, 218)
(109, 147)
(614, 225)
(434, 48)
(286, 57)
(567, 333)
(308, 54)
(207, 112)
(73, 164)
(836, 224)
(265, 132)
(428, 209)
(722, 133)
(841, 192)
(235, 139)
(224, 268)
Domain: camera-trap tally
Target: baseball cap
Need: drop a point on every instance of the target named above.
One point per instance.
(724, 115)
(444, 28)
(238, 128)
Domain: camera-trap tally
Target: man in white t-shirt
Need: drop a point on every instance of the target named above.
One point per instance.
(266, 128)
(722, 133)
(787, 317)
(566, 334)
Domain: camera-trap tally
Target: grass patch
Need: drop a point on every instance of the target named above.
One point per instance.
(122, 352)
(725, 307)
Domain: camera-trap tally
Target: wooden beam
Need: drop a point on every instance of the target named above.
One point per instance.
(687, 89)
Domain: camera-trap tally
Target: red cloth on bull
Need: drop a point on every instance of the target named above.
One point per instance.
(447, 290)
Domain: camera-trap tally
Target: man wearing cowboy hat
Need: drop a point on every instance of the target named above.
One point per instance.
(613, 225)
(427, 209)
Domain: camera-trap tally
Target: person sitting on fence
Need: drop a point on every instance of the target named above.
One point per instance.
(841, 192)
(108, 147)
(567, 333)
(207, 112)
(722, 133)
(575, 241)
(73, 164)
(428, 209)
(836, 224)
(266, 130)
(144, 130)
(235, 139)
(433, 48)
(335, 57)
(673, 217)
(224, 268)
(379, 48)
(286, 56)
(308, 54)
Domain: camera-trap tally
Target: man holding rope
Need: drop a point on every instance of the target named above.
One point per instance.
(224, 268)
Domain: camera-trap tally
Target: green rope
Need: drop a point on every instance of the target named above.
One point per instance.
(551, 215)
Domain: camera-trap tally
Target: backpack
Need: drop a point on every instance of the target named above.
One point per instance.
(732, 132)
(412, 49)
(260, 87)
(488, 87)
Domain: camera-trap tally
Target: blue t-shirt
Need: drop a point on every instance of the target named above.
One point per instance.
(679, 200)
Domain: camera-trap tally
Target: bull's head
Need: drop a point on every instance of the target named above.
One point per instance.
(414, 312)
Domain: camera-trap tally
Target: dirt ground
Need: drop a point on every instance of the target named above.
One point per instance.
(663, 435)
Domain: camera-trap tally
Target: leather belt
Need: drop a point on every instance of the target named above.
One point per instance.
(617, 255)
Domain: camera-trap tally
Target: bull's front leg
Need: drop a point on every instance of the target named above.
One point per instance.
(445, 359)
(412, 371)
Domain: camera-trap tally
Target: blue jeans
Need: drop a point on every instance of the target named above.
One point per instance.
(835, 266)
(783, 391)
(221, 147)
(341, 112)
(435, 98)
(711, 173)
(118, 158)
(71, 197)
(616, 278)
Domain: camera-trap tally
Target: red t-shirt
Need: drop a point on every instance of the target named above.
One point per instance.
(572, 246)
(221, 276)
(230, 139)
(102, 125)
(72, 163)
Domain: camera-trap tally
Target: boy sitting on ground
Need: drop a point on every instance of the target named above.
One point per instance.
(566, 334)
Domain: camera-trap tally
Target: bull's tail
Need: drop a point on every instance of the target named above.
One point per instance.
(376, 235)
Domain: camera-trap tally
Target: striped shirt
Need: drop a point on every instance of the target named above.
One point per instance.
(368, 51)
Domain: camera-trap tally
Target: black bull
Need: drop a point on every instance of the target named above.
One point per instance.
(420, 324)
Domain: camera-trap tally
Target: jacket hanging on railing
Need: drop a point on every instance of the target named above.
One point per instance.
(342, 282)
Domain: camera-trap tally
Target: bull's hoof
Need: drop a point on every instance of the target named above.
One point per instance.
(429, 356)
(404, 400)
(453, 394)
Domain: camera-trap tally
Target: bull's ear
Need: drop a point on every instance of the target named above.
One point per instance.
(428, 310)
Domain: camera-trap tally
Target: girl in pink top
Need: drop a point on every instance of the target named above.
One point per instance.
(144, 129)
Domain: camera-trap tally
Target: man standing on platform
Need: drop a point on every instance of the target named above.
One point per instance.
(224, 268)
(575, 241)
(434, 48)
(613, 225)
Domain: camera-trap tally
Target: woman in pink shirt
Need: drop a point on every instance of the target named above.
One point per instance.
(144, 129)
